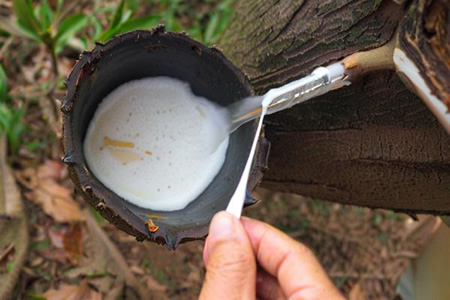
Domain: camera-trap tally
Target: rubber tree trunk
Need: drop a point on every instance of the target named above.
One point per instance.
(374, 143)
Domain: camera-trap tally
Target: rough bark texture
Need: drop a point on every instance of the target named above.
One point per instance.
(374, 143)
(275, 41)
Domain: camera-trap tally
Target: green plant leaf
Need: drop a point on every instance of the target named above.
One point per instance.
(169, 20)
(118, 15)
(211, 28)
(196, 33)
(59, 5)
(33, 296)
(92, 20)
(5, 116)
(126, 16)
(33, 145)
(139, 23)
(173, 4)
(30, 34)
(77, 43)
(11, 26)
(114, 28)
(15, 137)
(40, 245)
(17, 115)
(12, 124)
(45, 14)
(10, 267)
(26, 17)
(134, 4)
(106, 35)
(225, 5)
(16, 130)
(68, 28)
(3, 85)
(71, 25)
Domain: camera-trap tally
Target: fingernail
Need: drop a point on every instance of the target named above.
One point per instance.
(222, 224)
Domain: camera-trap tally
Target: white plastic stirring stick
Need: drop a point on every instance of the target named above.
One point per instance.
(237, 200)
(320, 81)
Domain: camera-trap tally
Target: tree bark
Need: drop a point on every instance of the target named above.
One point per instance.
(374, 143)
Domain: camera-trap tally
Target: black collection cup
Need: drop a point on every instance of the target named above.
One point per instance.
(136, 55)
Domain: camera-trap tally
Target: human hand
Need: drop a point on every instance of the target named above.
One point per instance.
(248, 258)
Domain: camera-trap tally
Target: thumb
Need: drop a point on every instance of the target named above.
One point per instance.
(229, 259)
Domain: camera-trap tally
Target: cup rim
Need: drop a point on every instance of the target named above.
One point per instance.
(122, 218)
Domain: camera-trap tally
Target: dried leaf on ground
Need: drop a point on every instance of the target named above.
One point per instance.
(154, 285)
(68, 243)
(73, 292)
(357, 292)
(7, 250)
(103, 260)
(58, 255)
(47, 191)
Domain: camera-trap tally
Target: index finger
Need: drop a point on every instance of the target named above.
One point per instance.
(297, 269)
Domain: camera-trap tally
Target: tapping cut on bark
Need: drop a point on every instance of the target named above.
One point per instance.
(374, 143)
(423, 55)
(424, 37)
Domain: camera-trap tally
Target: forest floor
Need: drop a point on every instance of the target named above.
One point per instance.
(364, 251)
(73, 252)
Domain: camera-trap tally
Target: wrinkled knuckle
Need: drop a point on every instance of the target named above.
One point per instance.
(233, 270)
(232, 262)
